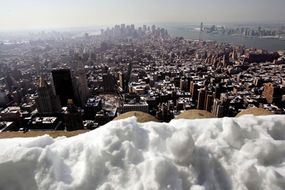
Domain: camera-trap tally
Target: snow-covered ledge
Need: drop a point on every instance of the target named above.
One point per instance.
(229, 153)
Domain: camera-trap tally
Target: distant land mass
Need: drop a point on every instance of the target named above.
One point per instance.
(191, 32)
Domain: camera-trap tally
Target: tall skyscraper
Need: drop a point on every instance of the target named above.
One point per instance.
(201, 98)
(47, 101)
(226, 59)
(109, 82)
(122, 80)
(81, 87)
(63, 85)
(201, 30)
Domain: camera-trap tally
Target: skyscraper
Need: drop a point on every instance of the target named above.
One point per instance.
(81, 87)
(109, 82)
(122, 80)
(47, 101)
(201, 30)
(201, 98)
(63, 85)
(72, 117)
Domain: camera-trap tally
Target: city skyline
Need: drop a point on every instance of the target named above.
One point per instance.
(43, 14)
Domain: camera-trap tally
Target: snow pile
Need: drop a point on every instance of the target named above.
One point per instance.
(242, 153)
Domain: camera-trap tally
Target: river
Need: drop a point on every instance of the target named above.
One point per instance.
(191, 33)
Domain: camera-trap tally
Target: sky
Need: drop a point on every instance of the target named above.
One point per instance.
(45, 14)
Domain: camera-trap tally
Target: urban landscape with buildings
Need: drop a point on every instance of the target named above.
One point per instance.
(60, 82)
(142, 95)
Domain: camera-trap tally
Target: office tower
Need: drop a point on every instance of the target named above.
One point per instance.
(216, 107)
(220, 107)
(11, 82)
(63, 85)
(209, 102)
(109, 82)
(128, 76)
(122, 80)
(234, 55)
(47, 101)
(81, 87)
(273, 93)
(184, 85)
(153, 28)
(218, 91)
(201, 30)
(194, 87)
(3, 98)
(226, 60)
(72, 117)
(201, 99)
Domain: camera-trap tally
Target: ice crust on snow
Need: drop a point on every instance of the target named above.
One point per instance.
(230, 153)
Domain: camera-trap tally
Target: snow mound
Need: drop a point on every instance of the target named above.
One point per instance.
(230, 153)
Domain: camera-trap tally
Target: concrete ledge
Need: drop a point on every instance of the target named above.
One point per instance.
(255, 112)
(141, 116)
(195, 114)
(53, 134)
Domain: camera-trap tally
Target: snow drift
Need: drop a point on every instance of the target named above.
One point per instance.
(240, 153)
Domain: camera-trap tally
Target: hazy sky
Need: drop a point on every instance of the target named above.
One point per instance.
(32, 14)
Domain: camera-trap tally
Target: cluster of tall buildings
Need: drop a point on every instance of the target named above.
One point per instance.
(64, 87)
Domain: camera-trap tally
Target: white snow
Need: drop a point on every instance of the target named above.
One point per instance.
(229, 153)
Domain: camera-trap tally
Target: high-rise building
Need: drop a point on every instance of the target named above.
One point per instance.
(226, 60)
(216, 105)
(3, 98)
(72, 117)
(234, 55)
(273, 93)
(153, 28)
(122, 80)
(11, 82)
(220, 107)
(217, 91)
(201, 30)
(209, 102)
(47, 101)
(194, 87)
(81, 87)
(109, 82)
(201, 99)
(63, 85)
(184, 85)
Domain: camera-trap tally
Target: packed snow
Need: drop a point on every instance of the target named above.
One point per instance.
(229, 153)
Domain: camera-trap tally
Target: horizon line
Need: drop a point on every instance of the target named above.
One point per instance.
(103, 26)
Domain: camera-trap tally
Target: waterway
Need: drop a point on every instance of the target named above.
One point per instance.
(191, 33)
